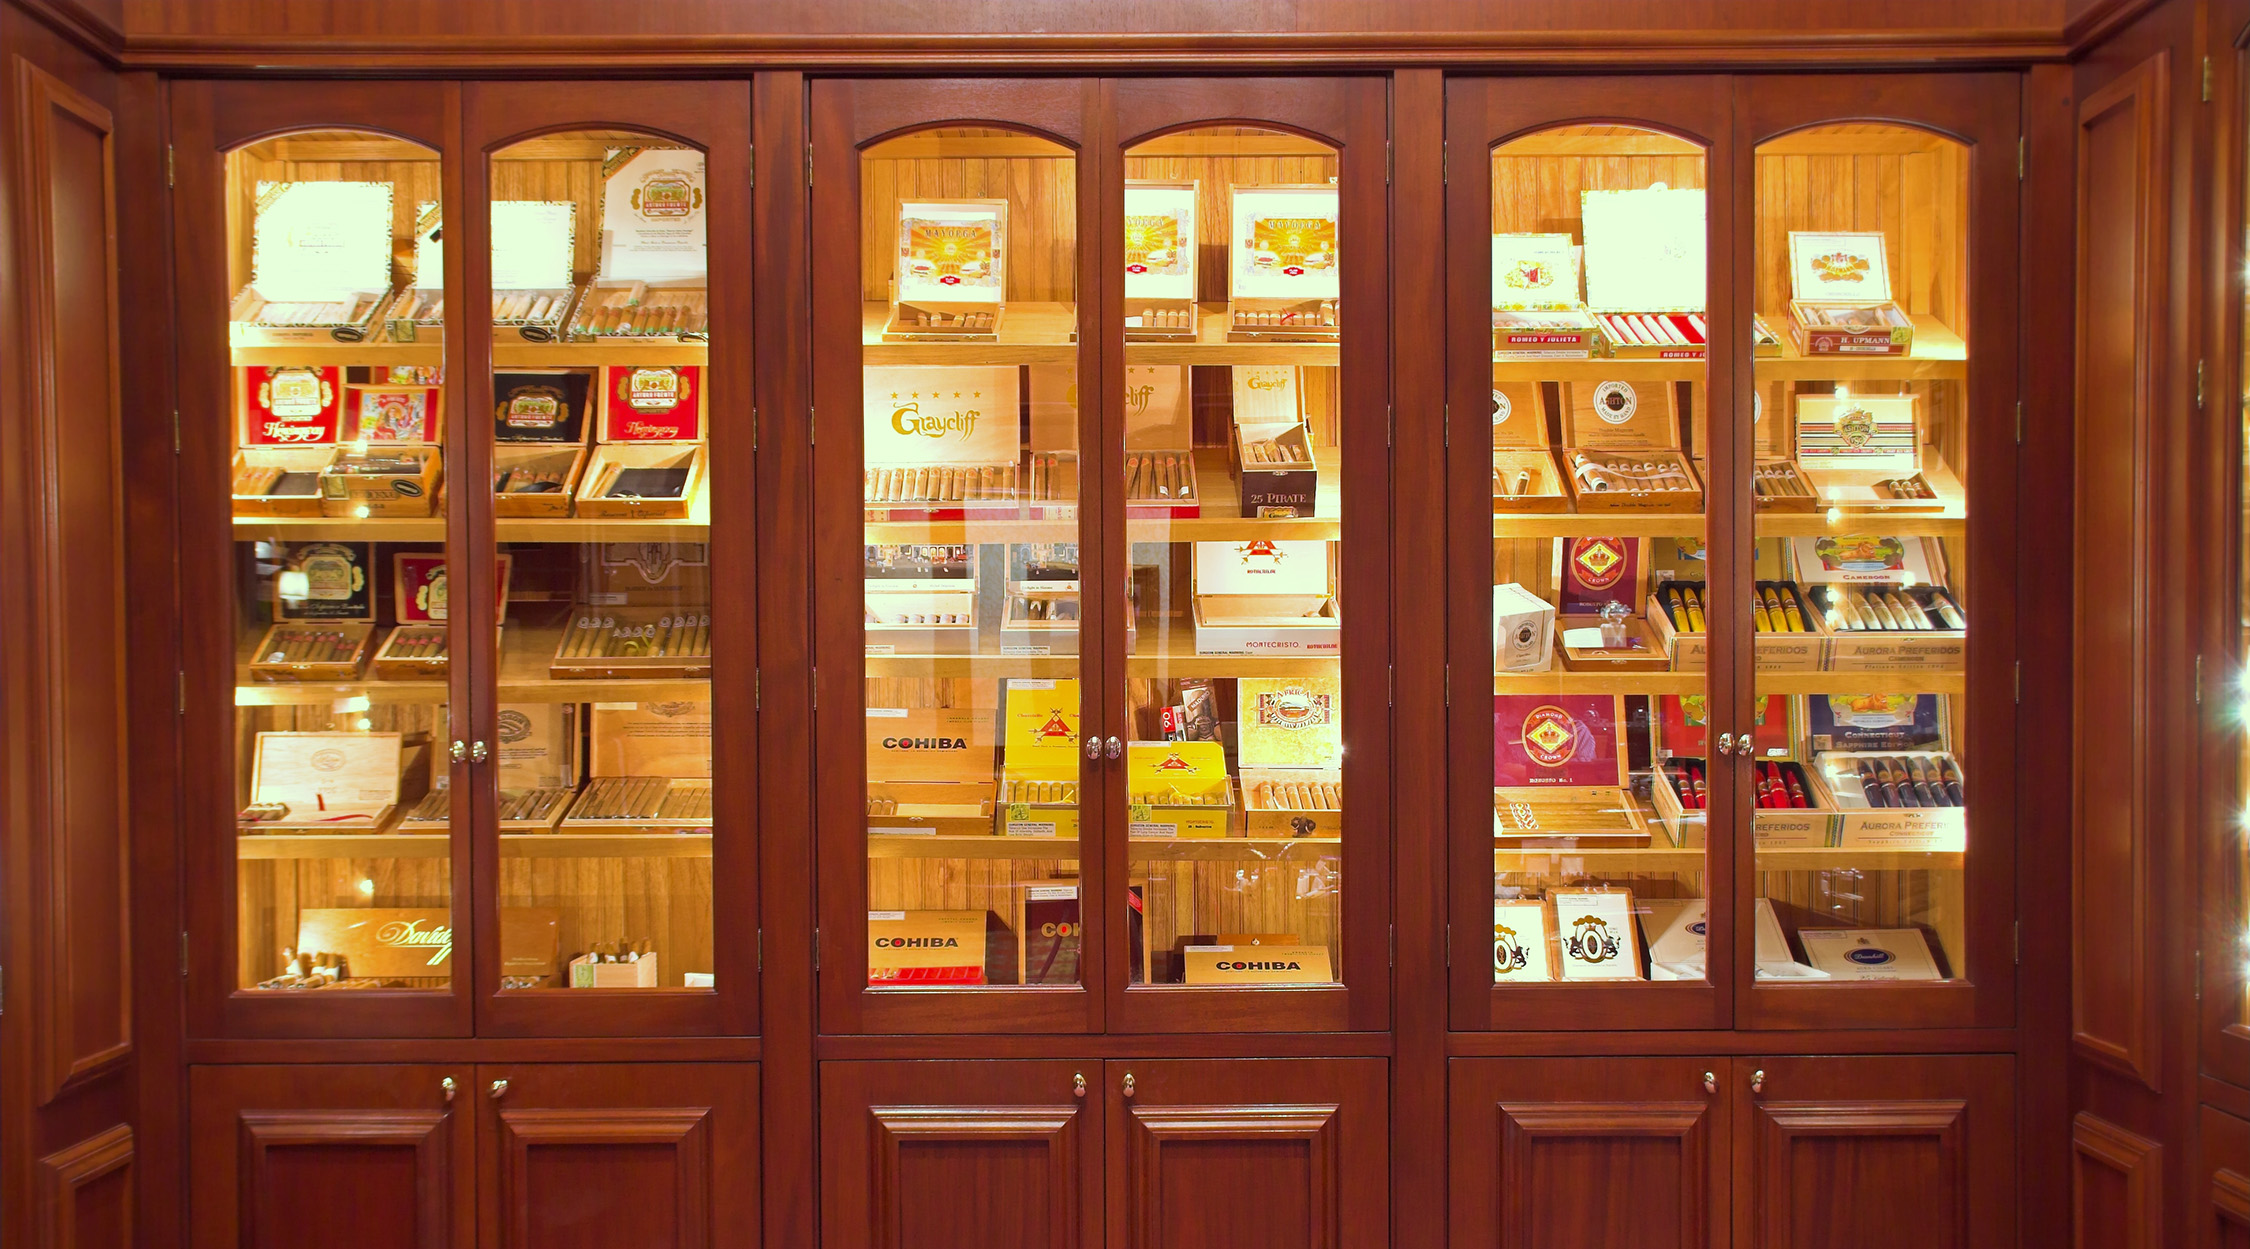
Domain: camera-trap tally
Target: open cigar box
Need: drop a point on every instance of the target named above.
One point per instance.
(418, 648)
(288, 420)
(1790, 635)
(537, 764)
(1160, 261)
(534, 249)
(1537, 313)
(539, 425)
(1840, 296)
(1284, 276)
(920, 599)
(1525, 477)
(649, 770)
(652, 279)
(1178, 790)
(1039, 759)
(1644, 263)
(650, 459)
(1050, 473)
(323, 614)
(601, 642)
(1041, 613)
(320, 265)
(336, 782)
(1259, 597)
(1895, 800)
(1865, 453)
(1622, 448)
(521, 811)
(1291, 744)
(930, 771)
(1883, 603)
(941, 442)
(1599, 582)
(1558, 773)
(1160, 482)
(1273, 451)
(948, 280)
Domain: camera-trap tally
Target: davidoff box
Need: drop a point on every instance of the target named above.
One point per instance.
(416, 943)
(914, 948)
(948, 279)
(1225, 965)
(419, 647)
(1160, 259)
(1522, 942)
(930, 771)
(652, 280)
(338, 782)
(1178, 789)
(1039, 759)
(1790, 635)
(650, 459)
(1870, 953)
(1645, 271)
(1880, 599)
(920, 599)
(1596, 935)
(1895, 800)
(1840, 296)
(1272, 445)
(1259, 597)
(940, 443)
(539, 429)
(1291, 744)
(320, 264)
(1525, 478)
(1863, 452)
(323, 611)
(1621, 449)
(1559, 772)
(1284, 275)
(287, 423)
(1537, 313)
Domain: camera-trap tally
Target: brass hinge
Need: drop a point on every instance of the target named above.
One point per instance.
(2023, 156)
(1444, 162)
(2199, 680)
(1394, 945)
(1390, 162)
(816, 949)
(2199, 385)
(183, 954)
(1449, 685)
(753, 169)
(2019, 942)
(808, 166)
(2206, 80)
(761, 951)
(2019, 681)
(816, 689)
(1390, 425)
(812, 426)
(1394, 685)
(2019, 422)
(179, 692)
(1449, 945)
(168, 165)
(758, 689)
(753, 429)
(175, 431)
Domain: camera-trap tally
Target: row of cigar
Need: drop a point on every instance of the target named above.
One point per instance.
(1906, 488)
(1687, 782)
(652, 320)
(1624, 474)
(309, 969)
(253, 309)
(919, 617)
(1297, 796)
(537, 805)
(1049, 481)
(1684, 605)
(416, 642)
(1521, 816)
(1167, 319)
(968, 321)
(1275, 451)
(526, 480)
(424, 306)
(377, 464)
(311, 646)
(1048, 792)
(970, 484)
(666, 637)
(1909, 781)
(1873, 609)
(1150, 476)
(1174, 796)
(1776, 610)
(1519, 486)
(619, 951)
(1023, 607)
(1325, 317)
(1779, 786)
(512, 307)
(1641, 329)
(643, 798)
(1779, 481)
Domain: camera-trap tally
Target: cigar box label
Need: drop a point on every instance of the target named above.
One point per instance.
(1679, 932)
(1683, 722)
(1157, 409)
(1291, 722)
(1040, 739)
(652, 739)
(655, 218)
(1857, 433)
(1860, 558)
(1160, 241)
(1536, 272)
(1523, 629)
(530, 940)
(1934, 829)
(1519, 942)
(325, 581)
(940, 416)
(538, 746)
(1792, 830)
(1644, 248)
(929, 744)
(1598, 571)
(1257, 964)
(320, 242)
(1285, 243)
(539, 407)
(312, 771)
(925, 947)
(1833, 264)
(289, 406)
(1617, 415)
(950, 251)
(1261, 566)
(1874, 722)
(1052, 933)
(407, 414)
(1869, 953)
(381, 942)
(1267, 394)
(534, 243)
(651, 403)
(1557, 739)
(419, 586)
(1594, 929)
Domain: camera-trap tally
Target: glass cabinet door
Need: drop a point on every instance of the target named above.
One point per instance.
(1881, 428)
(1588, 339)
(613, 407)
(951, 351)
(325, 449)
(1244, 455)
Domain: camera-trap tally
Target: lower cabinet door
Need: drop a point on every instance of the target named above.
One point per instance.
(1248, 1153)
(960, 1155)
(2226, 1181)
(600, 1155)
(1588, 1153)
(1875, 1152)
(357, 1157)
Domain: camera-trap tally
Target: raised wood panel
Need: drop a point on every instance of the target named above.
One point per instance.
(2225, 1166)
(1611, 1152)
(65, 559)
(86, 1193)
(2116, 1186)
(2122, 222)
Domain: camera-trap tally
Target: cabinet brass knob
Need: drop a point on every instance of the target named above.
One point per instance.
(460, 750)
(451, 1087)
(1726, 743)
(1129, 1088)
(1093, 746)
(478, 752)
(1758, 1080)
(499, 1089)
(1078, 1085)
(1116, 748)
(1710, 1081)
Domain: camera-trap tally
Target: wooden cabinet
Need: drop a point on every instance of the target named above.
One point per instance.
(427, 1156)
(1763, 1152)
(2223, 1184)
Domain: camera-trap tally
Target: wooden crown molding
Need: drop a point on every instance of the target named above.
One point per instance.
(80, 25)
(2103, 19)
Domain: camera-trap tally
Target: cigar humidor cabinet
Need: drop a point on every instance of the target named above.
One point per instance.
(524, 809)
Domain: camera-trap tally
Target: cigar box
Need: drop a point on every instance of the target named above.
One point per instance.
(948, 275)
(1523, 942)
(1290, 740)
(1790, 812)
(1273, 451)
(652, 278)
(320, 263)
(418, 648)
(911, 949)
(1680, 792)
(287, 422)
(930, 771)
(1178, 790)
(1160, 481)
(279, 481)
(521, 810)
(650, 459)
(941, 443)
(1624, 643)
(419, 307)
(385, 482)
(382, 943)
(1558, 773)
(1596, 935)
(335, 782)
(1041, 613)
(920, 599)
(1870, 953)
(649, 643)
(1873, 722)
(1259, 597)
(539, 432)
(1675, 608)
(1644, 264)
(588, 971)
(1160, 260)
(1864, 453)
(1840, 296)
(323, 614)
(1871, 792)
(534, 246)
(1525, 477)
(671, 739)
(1677, 932)
(1877, 598)
(1053, 932)
(1621, 451)
(1523, 630)
(1779, 485)
(1221, 966)
(1050, 473)
(1284, 276)
(537, 764)
(1039, 759)
(1537, 313)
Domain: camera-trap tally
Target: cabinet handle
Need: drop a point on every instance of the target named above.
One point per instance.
(1710, 1081)
(1758, 1080)
(499, 1089)
(460, 750)
(1726, 743)
(478, 752)
(1093, 746)
(451, 1087)
(1129, 1088)
(1078, 1085)
(1116, 748)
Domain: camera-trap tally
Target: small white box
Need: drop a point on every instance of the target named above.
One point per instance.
(1523, 629)
(1260, 597)
(1870, 953)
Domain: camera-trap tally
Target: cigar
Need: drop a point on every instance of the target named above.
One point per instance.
(1950, 776)
(1796, 790)
(1932, 795)
(1948, 610)
(1895, 786)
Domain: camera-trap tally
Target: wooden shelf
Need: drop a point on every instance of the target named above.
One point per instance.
(1824, 682)
(506, 354)
(1667, 859)
(525, 654)
(439, 845)
(1938, 355)
(1149, 659)
(694, 527)
(1043, 333)
(1211, 347)
(1952, 523)
(1138, 849)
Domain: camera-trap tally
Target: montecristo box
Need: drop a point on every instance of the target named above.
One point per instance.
(1291, 743)
(1178, 789)
(1263, 597)
(1258, 964)
(911, 948)
(929, 771)
(1039, 758)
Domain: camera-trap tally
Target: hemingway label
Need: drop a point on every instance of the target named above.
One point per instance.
(652, 403)
(291, 406)
(925, 947)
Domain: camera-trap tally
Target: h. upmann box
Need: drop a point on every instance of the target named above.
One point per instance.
(1259, 597)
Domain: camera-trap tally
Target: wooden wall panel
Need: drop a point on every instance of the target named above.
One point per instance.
(2122, 219)
(86, 1193)
(64, 558)
(2225, 1180)
(2116, 1185)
